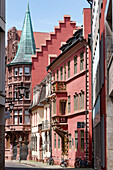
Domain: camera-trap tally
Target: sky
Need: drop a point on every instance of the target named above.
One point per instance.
(45, 14)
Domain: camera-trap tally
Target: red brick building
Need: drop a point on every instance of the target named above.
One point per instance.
(20, 47)
(71, 97)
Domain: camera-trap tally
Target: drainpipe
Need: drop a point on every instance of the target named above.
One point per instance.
(86, 111)
(91, 2)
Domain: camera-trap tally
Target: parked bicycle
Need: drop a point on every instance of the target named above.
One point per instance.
(64, 163)
(82, 163)
(50, 161)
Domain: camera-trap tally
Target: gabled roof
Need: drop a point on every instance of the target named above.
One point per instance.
(26, 46)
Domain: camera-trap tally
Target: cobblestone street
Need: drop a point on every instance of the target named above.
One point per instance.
(15, 165)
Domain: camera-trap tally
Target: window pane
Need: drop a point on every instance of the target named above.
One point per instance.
(58, 141)
(75, 64)
(20, 112)
(15, 120)
(27, 120)
(81, 61)
(68, 69)
(27, 95)
(69, 141)
(20, 71)
(64, 71)
(69, 104)
(76, 140)
(16, 71)
(27, 70)
(61, 73)
(26, 112)
(82, 139)
(20, 119)
(15, 112)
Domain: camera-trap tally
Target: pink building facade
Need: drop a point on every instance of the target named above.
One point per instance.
(71, 99)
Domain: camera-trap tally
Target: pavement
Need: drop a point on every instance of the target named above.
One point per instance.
(35, 164)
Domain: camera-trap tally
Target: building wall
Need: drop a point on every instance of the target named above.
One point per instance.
(51, 47)
(99, 88)
(75, 84)
(2, 83)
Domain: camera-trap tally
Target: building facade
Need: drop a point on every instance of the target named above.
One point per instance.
(40, 111)
(109, 88)
(50, 49)
(71, 98)
(2, 84)
(99, 83)
(18, 128)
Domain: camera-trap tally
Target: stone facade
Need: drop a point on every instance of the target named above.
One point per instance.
(2, 83)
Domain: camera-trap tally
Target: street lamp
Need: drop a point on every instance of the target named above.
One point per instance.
(22, 90)
(20, 140)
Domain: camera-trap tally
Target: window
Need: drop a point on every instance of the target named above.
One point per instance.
(27, 117)
(75, 102)
(54, 140)
(15, 120)
(61, 73)
(20, 71)
(27, 95)
(20, 116)
(81, 61)
(64, 71)
(76, 140)
(75, 64)
(15, 112)
(54, 107)
(16, 71)
(81, 100)
(82, 139)
(57, 75)
(58, 141)
(27, 70)
(68, 69)
(16, 95)
(69, 141)
(69, 104)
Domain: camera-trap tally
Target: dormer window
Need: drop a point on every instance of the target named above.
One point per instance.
(27, 70)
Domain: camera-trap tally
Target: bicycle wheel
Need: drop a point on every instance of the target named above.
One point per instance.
(77, 164)
(52, 162)
(62, 164)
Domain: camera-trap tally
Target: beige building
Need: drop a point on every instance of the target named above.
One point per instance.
(2, 81)
(40, 131)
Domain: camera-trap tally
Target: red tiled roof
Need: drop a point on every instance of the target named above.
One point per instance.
(40, 37)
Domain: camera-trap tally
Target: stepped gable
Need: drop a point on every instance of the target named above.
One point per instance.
(57, 29)
(26, 46)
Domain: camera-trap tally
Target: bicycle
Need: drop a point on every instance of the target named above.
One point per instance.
(82, 163)
(64, 163)
(50, 161)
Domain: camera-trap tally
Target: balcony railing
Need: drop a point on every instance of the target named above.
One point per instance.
(59, 86)
(45, 125)
(59, 120)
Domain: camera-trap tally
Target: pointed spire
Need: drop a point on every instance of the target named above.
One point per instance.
(27, 44)
(28, 7)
